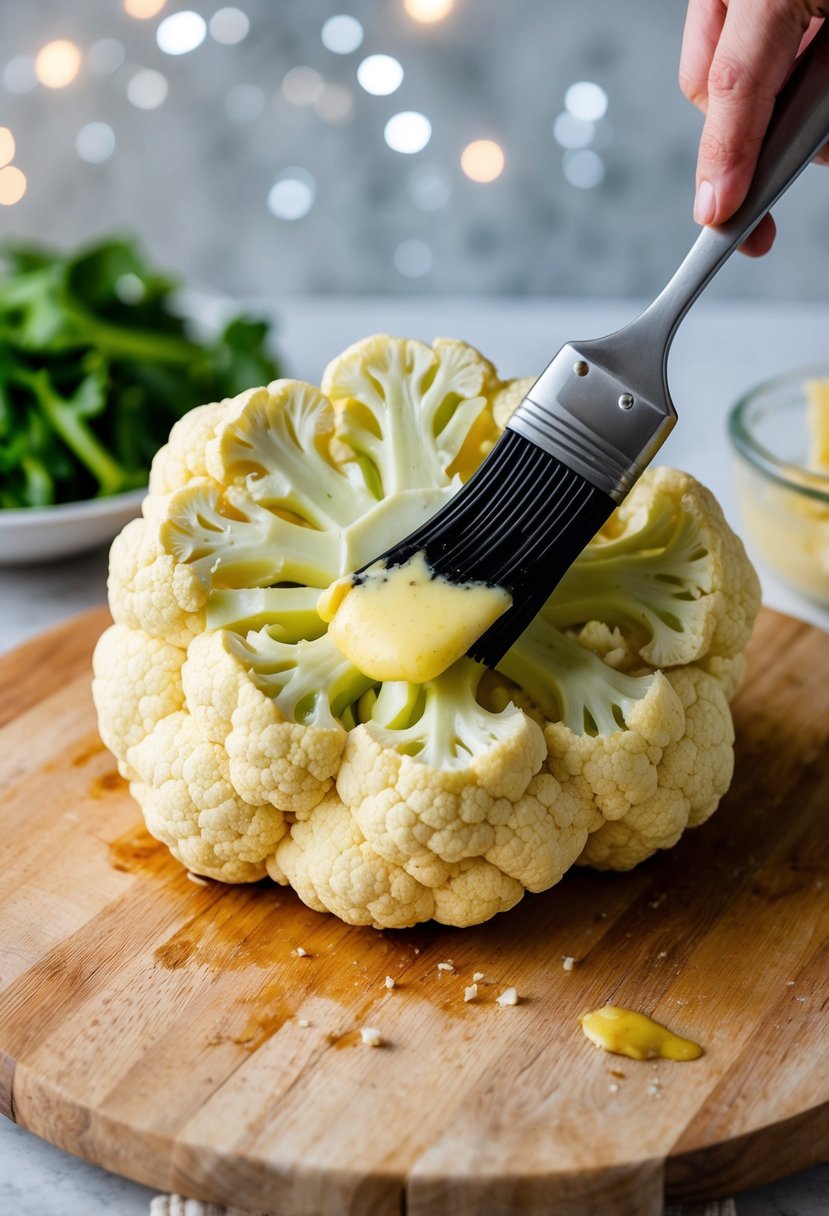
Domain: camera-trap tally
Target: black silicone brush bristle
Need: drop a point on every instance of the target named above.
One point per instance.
(519, 523)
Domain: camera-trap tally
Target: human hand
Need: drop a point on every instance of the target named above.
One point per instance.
(736, 56)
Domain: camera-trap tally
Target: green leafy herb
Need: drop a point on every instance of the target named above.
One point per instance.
(95, 367)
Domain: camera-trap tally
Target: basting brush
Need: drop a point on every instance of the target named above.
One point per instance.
(598, 414)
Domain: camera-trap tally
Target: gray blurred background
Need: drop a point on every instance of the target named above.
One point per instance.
(240, 144)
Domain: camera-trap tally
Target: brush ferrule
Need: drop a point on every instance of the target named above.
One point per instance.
(593, 422)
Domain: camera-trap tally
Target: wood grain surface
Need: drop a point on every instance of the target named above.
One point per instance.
(152, 1025)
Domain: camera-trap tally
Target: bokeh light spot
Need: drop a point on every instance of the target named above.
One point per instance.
(181, 32)
(335, 103)
(586, 100)
(413, 259)
(428, 11)
(143, 9)
(583, 168)
(129, 289)
(58, 63)
(572, 132)
(229, 26)
(408, 132)
(380, 75)
(19, 75)
(483, 160)
(429, 189)
(342, 34)
(147, 89)
(6, 146)
(105, 57)
(95, 142)
(292, 195)
(302, 86)
(12, 185)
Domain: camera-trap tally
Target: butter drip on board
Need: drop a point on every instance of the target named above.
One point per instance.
(405, 622)
(625, 1032)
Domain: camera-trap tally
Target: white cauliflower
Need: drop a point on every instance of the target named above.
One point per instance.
(255, 747)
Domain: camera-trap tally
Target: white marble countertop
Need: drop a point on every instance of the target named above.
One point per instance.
(721, 350)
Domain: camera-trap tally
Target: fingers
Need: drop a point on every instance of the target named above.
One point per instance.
(703, 27)
(753, 57)
(761, 239)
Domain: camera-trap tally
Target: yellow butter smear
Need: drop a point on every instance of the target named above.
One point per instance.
(627, 1033)
(406, 623)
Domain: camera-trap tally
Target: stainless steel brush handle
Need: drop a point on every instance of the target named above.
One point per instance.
(798, 130)
(603, 407)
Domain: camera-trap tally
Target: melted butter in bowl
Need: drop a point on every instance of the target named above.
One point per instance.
(780, 435)
(406, 623)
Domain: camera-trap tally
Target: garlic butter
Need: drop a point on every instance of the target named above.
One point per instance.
(405, 622)
(789, 523)
(628, 1033)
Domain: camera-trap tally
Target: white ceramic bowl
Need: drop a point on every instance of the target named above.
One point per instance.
(41, 534)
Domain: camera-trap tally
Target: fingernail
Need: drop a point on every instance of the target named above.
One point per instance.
(705, 204)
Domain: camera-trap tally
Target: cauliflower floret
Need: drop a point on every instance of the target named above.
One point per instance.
(694, 772)
(406, 409)
(137, 683)
(707, 747)
(622, 768)
(668, 571)
(332, 867)
(273, 758)
(184, 456)
(468, 769)
(191, 804)
(730, 672)
(474, 892)
(149, 590)
(544, 833)
(509, 397)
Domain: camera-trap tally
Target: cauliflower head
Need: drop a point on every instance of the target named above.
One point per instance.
(255, 748)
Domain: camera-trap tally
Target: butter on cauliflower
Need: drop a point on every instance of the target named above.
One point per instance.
(254, 747)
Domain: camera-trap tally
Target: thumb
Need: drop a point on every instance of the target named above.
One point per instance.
(754, 55)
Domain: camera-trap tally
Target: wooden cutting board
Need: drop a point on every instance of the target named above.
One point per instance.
(153, 1026)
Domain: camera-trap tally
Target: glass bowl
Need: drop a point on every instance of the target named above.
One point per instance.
(783, 503)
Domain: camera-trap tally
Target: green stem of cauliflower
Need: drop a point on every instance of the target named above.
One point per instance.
(311, 682)
(571, 684)
(653, 579)
(440, 722)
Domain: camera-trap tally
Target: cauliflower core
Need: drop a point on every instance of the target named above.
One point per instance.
(256, 747)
